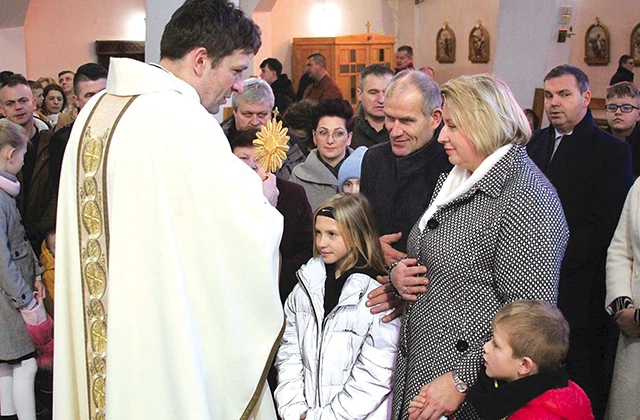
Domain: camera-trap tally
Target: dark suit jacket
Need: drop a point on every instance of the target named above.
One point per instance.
(592, 172)
(634, 141)
(37, 203)
(622, 75)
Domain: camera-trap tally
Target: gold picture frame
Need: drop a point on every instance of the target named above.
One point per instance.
(634, 50)
(479, 44)
(596, 45)
(446, 45)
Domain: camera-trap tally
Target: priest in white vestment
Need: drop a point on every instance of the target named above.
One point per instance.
(183, 323)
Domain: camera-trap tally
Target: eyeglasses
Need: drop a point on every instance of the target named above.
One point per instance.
(626, 108)
(338, 134)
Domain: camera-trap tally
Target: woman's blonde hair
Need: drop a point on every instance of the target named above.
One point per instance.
(11, 134)
(354, 217)
(45, 81)
(484, 109)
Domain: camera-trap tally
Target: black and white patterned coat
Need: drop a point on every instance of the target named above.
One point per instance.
(502, 240)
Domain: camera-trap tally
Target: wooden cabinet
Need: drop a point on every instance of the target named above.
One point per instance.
(346, 57)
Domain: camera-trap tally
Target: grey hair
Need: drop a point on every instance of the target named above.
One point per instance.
(428, 88)
(255, 91)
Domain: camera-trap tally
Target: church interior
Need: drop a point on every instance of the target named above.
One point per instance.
(524, 37)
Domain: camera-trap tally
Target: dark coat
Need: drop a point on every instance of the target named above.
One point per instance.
(634, 141)
(296, 246)
(37, 205)
(400, 188)
(622, 75)
(591, 170)
(365, 135)
(500, 241)
(283, 92)
(58, 145)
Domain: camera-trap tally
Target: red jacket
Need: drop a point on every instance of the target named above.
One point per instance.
(570, 403)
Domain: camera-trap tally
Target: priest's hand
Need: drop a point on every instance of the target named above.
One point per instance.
(382, 298)
(391, 254)
(270, 189)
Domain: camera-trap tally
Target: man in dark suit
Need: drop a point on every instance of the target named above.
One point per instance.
(399, 176)
(624, 72)
(591, 170)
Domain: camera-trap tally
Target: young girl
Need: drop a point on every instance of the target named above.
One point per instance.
(336, 359)
(17, 274)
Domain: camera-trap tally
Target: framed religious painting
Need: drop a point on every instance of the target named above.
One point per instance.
(446, 45)
(479, 44)
(635, 45)
(596, 45)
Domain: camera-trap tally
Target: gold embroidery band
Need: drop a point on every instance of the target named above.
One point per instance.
(248, 411)
(93, 232)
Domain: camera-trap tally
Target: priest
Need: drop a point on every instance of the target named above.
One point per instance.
(167, 303)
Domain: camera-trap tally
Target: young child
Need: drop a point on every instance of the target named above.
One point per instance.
(336, 359)
(48, 261)
(350, 170)
(18, 272)
(522, 376)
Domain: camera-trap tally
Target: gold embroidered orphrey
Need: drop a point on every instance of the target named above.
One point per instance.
(93, 234)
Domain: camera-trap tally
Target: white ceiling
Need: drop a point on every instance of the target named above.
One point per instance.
(12, 13)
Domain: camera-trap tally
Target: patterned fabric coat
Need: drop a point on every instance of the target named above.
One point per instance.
(502, 240)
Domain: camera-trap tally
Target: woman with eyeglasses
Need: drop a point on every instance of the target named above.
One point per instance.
(333, 125)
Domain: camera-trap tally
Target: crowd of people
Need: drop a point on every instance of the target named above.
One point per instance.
(430, 253)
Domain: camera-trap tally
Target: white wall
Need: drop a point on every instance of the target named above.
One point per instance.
(158, 14)
(305, 18)
(61, 35)
(620, 17)
(527, 47)
(12, 46)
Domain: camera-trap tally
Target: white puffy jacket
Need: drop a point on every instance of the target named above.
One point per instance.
(339, 368)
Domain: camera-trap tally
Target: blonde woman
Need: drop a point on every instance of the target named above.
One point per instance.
(495, 232)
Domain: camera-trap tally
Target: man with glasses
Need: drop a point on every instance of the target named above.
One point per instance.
(623, 113)
(591, 170)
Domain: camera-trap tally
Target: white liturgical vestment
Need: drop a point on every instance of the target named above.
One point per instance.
(193, 311)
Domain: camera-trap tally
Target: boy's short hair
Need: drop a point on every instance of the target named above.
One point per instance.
(623, 89)
(535, 329)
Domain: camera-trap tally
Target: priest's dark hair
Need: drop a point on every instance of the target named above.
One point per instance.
(216, 25)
